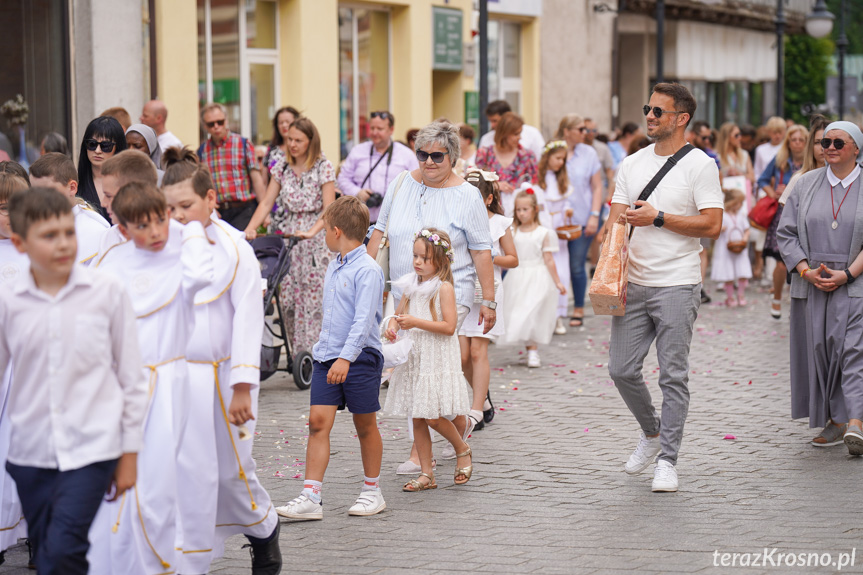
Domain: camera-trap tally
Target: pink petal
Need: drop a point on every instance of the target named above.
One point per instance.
(729, 436)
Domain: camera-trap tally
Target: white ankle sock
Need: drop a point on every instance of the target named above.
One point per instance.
(487, 405)
(475, 415)
(312, 490)
(371, 483)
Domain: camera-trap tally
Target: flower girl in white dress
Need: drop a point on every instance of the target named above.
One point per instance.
(530, 306)
(430, 386)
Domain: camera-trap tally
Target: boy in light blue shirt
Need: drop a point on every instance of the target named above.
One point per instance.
(348, 360)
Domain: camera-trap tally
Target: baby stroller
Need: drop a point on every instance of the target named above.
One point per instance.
(275, 259)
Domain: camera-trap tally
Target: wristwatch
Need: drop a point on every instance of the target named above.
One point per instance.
(850, 277)
(489, 304)
(659, 220)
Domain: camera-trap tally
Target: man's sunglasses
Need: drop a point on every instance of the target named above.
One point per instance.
(837, 143)
(437, 157)
(381, 115)
(213, 124)
(106, 145)
(657, 111)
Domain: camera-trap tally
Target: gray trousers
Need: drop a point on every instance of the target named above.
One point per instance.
(667, 315)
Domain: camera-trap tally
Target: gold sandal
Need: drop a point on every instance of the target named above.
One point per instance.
(415, 485)
(466, 471)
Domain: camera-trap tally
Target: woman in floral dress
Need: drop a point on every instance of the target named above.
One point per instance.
(302, 186)
(513, 164)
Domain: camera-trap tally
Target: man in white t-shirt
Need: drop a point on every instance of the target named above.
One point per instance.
(155, 114)
(664, 290)
(531, 138)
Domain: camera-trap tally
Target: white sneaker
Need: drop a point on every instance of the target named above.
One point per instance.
(560, 328)
(368, 503)
(301, 508)
(532, 358)
(664, 477)
(644, 454)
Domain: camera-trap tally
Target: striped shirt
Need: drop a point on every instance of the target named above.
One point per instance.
(458, 210)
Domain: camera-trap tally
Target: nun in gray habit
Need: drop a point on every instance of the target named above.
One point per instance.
(820, 235)
(143, 138)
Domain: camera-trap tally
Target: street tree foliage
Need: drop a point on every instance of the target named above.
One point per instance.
(807, 65)
(853, 23)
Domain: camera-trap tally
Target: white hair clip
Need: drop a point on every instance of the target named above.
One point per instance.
(487, 176)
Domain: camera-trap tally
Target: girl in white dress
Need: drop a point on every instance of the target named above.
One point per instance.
(728, 266)
(558, 189)
(474, 343)
(530, 310)
(430, 386)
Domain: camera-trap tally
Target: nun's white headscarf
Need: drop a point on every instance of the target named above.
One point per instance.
(852, 130)
(152, 142)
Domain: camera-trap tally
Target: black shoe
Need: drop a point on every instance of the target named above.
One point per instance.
(30, 563)
(2, 557)
(479, 426)
(266, 557)
(704, 297)
(488, 414)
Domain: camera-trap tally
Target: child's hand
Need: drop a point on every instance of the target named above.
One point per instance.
(391, 335)
(339, 371)
(240, 410)
(124, 475)
(561, 288)
(392, 328)
(407, 321)
(568, 212)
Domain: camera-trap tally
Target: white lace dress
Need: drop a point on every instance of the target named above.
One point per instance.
(430, 384)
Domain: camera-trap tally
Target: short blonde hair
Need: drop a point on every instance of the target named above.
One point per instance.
(350, 215)
(776, 124)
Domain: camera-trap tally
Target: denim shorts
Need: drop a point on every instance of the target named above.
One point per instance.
(361, 389)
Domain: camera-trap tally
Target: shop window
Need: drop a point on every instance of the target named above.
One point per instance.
(364, 71)
(238, 62)
(504, 62)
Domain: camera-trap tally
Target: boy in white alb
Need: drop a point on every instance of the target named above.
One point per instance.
(221, 496)
(126, 167)
(76, 412)
(13, 264)
(163, 266)
(57, 171)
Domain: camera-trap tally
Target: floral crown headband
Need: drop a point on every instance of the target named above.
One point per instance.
(476, 173)
(436, 240)
(552, 145)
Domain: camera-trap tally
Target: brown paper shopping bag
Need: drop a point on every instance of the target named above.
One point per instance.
(608, 289)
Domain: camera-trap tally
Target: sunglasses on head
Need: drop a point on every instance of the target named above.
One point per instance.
(437, 157)
(106, 145)
(381, 115)
(837, 143)
(657, 111)
(213, 124)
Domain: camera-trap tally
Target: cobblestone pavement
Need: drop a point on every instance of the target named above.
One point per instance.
(549, 494)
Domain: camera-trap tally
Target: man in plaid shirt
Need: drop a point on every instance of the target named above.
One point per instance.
(231, 161)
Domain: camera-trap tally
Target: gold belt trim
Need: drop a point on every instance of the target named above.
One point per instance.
(119, 513)
(154, 374)
(194, 550)
(165, 564)
(215, 365)
(267, 514)
(17, 523)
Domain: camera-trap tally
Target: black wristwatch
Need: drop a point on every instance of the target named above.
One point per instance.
(850, 277)
(659, 220)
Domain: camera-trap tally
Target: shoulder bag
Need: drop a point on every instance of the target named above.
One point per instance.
(383, 257)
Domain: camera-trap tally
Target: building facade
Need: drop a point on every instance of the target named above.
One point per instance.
(336, 61)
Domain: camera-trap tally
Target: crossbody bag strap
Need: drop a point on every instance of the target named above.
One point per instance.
(387, 154)
(399, 183)
(651, 185)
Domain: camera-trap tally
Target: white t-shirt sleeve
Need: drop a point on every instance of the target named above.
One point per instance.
(621, 190)
(706, 190)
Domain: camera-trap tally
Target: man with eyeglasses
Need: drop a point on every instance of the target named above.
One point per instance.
(701, 137)
(370, 167)
(232, 163)
(664, 290)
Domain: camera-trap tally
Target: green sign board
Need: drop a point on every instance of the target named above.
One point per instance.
(471, 111)
(447, 39)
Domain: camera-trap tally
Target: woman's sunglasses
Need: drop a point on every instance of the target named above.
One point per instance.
(837, 143)
(657, 111)
(106, 145)
(437, 157)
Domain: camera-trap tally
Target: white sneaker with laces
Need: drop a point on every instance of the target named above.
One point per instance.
(368, 503)
(644, 454)
(533, 358)
(664, 477)
(560, 328)
(301, 508)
